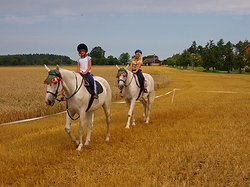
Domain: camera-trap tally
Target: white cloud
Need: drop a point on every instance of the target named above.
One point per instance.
(30, 11)
(23, 19)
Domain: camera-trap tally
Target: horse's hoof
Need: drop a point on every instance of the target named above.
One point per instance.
(107, 139)
(127, 127)
(77, 142)
(79, 148)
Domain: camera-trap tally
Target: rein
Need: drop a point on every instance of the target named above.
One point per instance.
(123, 72)
(77, 88)
(67, 98)
(58, 85)
(59, 78)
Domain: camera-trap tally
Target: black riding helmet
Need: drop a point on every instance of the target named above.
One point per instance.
(82, 46)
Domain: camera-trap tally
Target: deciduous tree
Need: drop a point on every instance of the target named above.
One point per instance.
(124, 58)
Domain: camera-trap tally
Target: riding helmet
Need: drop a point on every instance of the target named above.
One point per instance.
(82, 46)
(138, 51)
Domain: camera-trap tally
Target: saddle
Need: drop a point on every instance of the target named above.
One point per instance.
(89, 87)
(138, 80)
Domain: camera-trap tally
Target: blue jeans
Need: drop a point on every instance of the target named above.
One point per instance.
(91, 78)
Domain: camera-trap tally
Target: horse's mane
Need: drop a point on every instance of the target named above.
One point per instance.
(68, 72)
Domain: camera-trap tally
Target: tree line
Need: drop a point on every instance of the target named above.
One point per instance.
(216, 56)
(33, 59)
(97, 54)
(98, 57)
(220, 56)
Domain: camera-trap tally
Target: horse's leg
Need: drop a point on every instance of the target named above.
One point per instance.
(80, 130)
(106, 108)
(133, 119)
(67, 129)
(131, 105)
(128, 102)
(151, 98)
(90, 119)
(144, 103)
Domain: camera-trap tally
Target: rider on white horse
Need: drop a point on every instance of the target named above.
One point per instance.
(135, 67)
(84, 64)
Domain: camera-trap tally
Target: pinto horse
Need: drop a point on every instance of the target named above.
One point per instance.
(129, 84)
(77, 101)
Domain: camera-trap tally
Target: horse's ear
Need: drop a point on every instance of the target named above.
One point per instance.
(127, 66)
(46, 67)
(117, 66)
(57, 68)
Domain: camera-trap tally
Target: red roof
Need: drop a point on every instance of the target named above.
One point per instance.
(151, 60)
(247, 49)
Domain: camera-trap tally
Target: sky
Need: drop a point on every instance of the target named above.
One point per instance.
(160, 27)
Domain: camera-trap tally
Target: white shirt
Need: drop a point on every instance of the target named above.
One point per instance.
(84, 62)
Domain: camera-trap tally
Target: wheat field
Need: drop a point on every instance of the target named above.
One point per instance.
(197, 136)
(22, 90)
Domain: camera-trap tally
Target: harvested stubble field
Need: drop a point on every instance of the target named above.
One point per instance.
(199, 139)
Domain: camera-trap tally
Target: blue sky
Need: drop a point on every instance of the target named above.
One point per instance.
(161, 27)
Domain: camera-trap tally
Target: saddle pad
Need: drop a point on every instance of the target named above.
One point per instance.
(98, 87)
(87, 84)
(99, 90)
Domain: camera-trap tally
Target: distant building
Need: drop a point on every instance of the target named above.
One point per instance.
(152, 62)
(247, 51)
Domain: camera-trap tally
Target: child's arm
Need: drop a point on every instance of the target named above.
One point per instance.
(78, 68)
(138, 67)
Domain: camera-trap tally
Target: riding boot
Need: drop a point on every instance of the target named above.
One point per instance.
(95, 96)
(145, 86)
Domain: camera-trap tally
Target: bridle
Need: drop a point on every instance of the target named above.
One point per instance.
(59, 79)
(124, 73)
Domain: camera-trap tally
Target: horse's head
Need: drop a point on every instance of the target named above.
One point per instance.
(54, 85)
(122, 76)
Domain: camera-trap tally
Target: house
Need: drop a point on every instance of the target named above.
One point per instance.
(151, 62)
(247, 51)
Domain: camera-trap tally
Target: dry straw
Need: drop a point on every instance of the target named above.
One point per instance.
(22, 91)
(201, 139)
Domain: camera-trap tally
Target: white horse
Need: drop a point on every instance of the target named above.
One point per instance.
(77, 100)
(129, 84)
